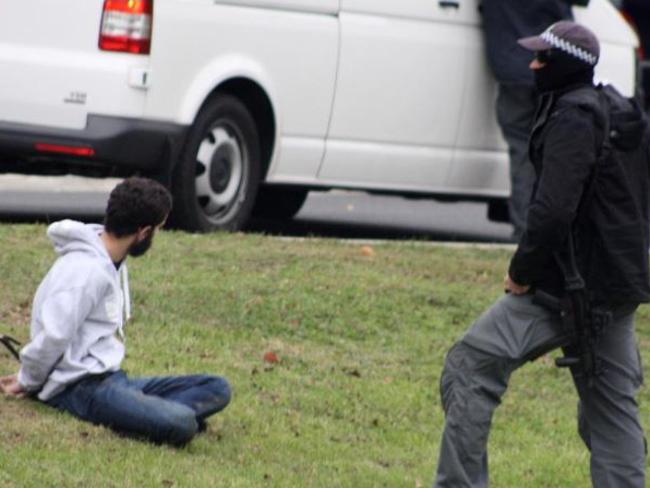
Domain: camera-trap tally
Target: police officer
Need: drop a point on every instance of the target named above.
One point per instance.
(610, 231)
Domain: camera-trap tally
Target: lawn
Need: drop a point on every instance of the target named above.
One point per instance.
(360, 335)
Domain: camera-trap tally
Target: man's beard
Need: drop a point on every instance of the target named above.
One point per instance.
(139, 248)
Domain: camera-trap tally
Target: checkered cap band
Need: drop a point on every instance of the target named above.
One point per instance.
(568, 47)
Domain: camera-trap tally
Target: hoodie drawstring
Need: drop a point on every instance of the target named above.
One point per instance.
(126, 297)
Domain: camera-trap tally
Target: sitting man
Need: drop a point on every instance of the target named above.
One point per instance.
(77, 333)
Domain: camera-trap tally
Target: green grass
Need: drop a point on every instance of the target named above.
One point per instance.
(352, 403)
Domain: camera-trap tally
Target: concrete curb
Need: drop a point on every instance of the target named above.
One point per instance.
(380, 242)
(59, 184)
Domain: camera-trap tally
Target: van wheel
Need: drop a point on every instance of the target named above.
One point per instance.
(215, 182)
(279, 202)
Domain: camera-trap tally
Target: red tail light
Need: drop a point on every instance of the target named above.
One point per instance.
(126, 26)
(61, 149)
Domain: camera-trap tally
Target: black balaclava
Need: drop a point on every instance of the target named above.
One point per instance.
(562, 70)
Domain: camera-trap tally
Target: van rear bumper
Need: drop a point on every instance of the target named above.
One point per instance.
(126, 145)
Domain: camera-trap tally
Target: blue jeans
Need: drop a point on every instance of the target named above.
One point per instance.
(162, 409)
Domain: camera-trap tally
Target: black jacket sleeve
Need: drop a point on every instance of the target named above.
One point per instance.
(568, 158)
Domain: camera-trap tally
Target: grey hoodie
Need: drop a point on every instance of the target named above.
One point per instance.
(78, 314)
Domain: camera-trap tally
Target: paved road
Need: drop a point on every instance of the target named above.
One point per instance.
(331, 214)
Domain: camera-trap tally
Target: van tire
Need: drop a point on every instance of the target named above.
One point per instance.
(279, 202)
(216, 180)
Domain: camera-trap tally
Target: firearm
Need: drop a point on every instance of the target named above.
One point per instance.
(583, 323)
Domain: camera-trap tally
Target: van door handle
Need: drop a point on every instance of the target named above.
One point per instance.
(449, 4)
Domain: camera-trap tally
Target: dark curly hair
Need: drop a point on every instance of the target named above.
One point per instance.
(136, 203)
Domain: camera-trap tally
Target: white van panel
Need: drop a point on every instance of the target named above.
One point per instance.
(617, 61)
(53, 73)
(412, 9)
(399, 93)
(53, 87)
(606, 22)
(314, 6)
(298, 160)
(293, 56)
(396, 82)
(201, 41)
(61, 24)
(215, 72)
(399, 167)
(616, 66)
(479, 173)
(480, 163)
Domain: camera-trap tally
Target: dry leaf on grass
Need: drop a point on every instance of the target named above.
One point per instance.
(367, 251)
(271, 357)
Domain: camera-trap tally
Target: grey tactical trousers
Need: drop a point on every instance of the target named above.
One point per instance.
(476, 376)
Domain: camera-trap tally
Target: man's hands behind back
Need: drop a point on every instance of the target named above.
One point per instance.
(9, 386)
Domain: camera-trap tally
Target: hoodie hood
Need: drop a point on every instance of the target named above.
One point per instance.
(71, 236)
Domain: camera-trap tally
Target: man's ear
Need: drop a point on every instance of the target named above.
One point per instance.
(144, 232)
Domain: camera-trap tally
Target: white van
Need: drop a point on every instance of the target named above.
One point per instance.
(244, 106)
